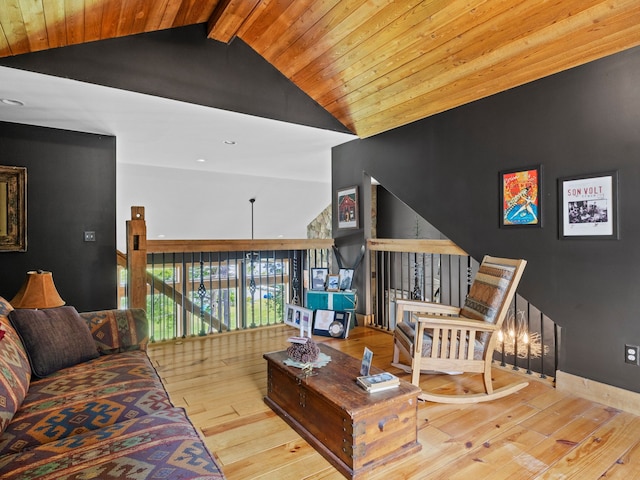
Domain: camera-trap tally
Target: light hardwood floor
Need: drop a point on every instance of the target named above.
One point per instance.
(537, 433)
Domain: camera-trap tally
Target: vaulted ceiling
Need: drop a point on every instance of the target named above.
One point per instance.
(373, 64)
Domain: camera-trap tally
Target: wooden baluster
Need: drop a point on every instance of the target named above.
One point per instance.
(137, 259)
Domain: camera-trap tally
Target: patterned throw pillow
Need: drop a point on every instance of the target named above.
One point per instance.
(117, 331)
(488, 290)
(54, 338)
(15, 372)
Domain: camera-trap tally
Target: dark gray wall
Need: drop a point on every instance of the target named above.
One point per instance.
(71, 188)
(182, 64)
(583, 121)
(396, 219)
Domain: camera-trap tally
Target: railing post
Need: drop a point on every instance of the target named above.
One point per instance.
(137, 259)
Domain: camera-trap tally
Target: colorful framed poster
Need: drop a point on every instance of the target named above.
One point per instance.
(520, 197)
(348, 213)
(589, 206)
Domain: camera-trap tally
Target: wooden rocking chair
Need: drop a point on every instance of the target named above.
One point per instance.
(445, 339)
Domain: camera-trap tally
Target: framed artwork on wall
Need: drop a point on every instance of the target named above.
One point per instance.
(589, 206)
(520, 197)
(13, 209)
(348, 213)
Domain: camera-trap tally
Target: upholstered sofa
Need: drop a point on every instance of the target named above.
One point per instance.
(80, 399)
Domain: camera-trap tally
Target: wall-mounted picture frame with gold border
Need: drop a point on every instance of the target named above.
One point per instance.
(13, 209)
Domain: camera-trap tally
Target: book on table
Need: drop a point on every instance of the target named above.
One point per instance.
(378, 382)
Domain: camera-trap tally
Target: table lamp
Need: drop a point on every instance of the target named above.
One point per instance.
(38, 291)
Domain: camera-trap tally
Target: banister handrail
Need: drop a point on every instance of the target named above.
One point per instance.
(188, 246)
(441, 247)
(213, 285)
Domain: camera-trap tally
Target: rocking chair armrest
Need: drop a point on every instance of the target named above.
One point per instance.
(429, 321)
(419, 307)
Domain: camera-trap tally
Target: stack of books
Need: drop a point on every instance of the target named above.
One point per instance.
(378, 382)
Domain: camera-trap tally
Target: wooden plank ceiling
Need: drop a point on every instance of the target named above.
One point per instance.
(373, 64)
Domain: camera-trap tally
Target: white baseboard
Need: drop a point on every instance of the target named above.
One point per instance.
(599, 392)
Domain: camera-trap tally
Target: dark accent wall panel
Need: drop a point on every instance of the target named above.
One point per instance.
(71, 188)
(582, 121)
(398, 220)
(182, 64)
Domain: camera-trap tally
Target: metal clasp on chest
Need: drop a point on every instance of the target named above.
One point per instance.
(351, 432)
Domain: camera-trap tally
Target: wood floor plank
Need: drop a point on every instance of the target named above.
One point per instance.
(297, 470)
(270, 459)
(560, 444)
(627, 466)
(267, 442)
(552, 419)
(602, 449)
(536, 433)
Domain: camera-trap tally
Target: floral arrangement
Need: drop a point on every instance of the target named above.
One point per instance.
(306, 352)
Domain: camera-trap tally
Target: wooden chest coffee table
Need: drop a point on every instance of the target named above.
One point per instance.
(354, 430)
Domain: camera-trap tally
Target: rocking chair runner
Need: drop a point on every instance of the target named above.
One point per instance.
(445, 339)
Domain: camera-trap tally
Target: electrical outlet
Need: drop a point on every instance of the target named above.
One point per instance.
(89, 236)
(631, 354)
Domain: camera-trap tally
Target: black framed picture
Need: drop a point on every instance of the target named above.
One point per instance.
(347, 201)
(345, 276)
(589, 206)
(318, 278)
(520, 197)
(330, 323)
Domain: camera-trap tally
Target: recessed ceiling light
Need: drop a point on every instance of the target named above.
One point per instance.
(201, 160)
(229, 142)
(161, 235)
(11, 102)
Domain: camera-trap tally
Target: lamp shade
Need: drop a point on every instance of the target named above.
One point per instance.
(38, 291)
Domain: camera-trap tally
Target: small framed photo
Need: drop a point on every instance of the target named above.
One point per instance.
(306, 322)
(589, 206)
(318, 278)
(321, 321)
(300, 318)
(365, 367)
(330, 323)
(345, 278)
(520, 197)
(333, 283)
(292, 316)
(348, 213)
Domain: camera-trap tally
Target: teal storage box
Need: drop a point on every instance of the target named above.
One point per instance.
(341, 301)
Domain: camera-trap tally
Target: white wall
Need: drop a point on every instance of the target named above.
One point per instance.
(188, 204)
